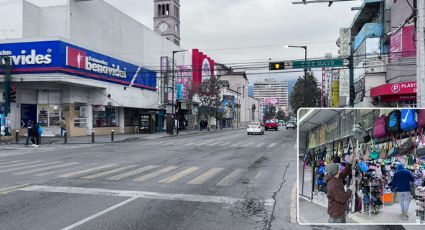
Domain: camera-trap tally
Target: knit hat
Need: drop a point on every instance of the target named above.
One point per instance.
(332, 169)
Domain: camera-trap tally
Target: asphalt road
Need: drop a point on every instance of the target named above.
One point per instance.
(221, 180)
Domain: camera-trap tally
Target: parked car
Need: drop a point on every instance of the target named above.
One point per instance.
(255, 127)
(291, 125)
(271, 124)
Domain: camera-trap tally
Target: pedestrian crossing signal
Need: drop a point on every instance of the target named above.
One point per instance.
(276, 66)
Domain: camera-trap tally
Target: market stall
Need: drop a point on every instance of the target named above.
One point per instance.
(382, 142)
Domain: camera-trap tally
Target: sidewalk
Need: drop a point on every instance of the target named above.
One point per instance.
(101, 139)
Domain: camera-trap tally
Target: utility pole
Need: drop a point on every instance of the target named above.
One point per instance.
(5, 64)
(420, 59)
(173, 112)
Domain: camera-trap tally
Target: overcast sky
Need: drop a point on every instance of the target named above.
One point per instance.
(240, 31)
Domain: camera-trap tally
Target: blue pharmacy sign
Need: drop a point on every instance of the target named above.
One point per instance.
(62, 57)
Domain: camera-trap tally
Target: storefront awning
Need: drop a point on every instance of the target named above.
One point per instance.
(315, 118)
(395, 91)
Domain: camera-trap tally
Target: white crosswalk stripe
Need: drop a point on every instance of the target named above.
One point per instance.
(133, 172)
(156, 173)
(46, 168)
(9, 162)
(238, 143)
(190, 144)
(231, 178)
(260, 145)
(179, 175)
(19, 164)
(66, 170)
(85, 171)
(248, 144)
(271, 145)
(283, 145)
(205, 176)
(204, 142)
(28, 166)
(215, 143)
(108, 172)
(225, 143)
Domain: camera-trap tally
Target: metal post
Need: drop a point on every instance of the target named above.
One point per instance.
(172, 96)
(65, 137)
(112, 136)
(92, 136)
(352, 89)
(305, 78)
(420, 59)
(17, 135)
(302, 184)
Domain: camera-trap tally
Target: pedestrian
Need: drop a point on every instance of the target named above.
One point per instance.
(37, 131)
(338, 198)
(29, 132)
(62, 125)
(401, 182)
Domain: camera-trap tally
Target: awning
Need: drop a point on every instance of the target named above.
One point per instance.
(394, 89)
(403, 91)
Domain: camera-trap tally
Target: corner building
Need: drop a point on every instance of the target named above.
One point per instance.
(94, 66)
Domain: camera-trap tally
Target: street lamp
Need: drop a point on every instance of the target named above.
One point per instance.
(305, 71)
(174, 86)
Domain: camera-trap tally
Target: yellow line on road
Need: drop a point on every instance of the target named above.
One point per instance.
(5, 191)
(206, 176)
(179, 175)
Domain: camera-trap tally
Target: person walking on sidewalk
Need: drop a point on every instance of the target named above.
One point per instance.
(30, 131)
(37, 131)
(338, 198)
(62, 126)
(401, 182)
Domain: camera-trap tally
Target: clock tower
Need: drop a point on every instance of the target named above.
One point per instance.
(167, 19)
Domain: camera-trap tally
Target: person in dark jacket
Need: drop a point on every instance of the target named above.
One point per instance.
(29, 133)
(401, 181)
(337, 197)
(36, 134)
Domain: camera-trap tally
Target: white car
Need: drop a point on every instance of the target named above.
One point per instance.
(255, 127)
(290, 125)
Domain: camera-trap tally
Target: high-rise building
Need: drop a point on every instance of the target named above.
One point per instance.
(272, 92)
(167, 19)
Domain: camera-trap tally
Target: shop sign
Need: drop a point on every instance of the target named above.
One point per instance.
(271, 101)
(202, 66)
(59, 56)
(344, 83)
(394, 89)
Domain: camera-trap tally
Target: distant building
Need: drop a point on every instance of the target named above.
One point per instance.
(272, 92)
(167, 19)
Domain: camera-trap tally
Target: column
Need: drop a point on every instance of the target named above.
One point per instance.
(89, 118)
(121, 119)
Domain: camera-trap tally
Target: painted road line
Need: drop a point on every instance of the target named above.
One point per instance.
(46, 168)
(89, 170)
(179, 175)
(271, 145)
(99, 214)
(19, 164)
(133, 172)
(248, 144)
(283, 145)
(190, 144)
(29, 166)
(5, 191)
(231, 178)
(215, 143)
(260, 145)
(108, 172)
(155, 174)
(225, 143)
(136, 194)
(238, 143)
(67, 169)
(206, 176)
(204, 142)
(10, 162)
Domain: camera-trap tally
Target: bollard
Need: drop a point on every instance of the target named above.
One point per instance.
(17, 135)
(112, 136)
(65, 137)
(92, 136)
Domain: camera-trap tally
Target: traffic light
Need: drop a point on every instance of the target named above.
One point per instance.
(13, 93)
(276, 65)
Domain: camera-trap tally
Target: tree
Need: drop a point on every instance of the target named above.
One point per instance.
(280, 115)
(270, 112)
(298, 93)
(210, 97)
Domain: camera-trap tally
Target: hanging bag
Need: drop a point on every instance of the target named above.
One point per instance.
(360, 134)
(408, 120)
(406, 147)
(394, 149)
(383, 154)
(393, 122)
(374, 155)
(421, 118)
(380, 127)
(420, 150)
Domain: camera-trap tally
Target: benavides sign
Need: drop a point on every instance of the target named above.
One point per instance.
(58, 56)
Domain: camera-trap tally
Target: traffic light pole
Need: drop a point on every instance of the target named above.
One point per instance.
(5, 63)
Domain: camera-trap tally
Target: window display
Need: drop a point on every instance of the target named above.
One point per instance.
(105, 116)
(80, 111)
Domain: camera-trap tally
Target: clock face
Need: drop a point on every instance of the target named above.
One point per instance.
(163, 27)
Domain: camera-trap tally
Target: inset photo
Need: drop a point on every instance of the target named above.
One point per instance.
(361, 166)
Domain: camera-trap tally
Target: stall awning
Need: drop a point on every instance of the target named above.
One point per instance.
(404, 91)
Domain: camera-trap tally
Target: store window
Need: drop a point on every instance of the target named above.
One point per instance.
(105, 116)
(80, 111)
(49, 108)
(131, 117)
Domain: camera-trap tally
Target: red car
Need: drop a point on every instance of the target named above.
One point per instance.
(271, 124)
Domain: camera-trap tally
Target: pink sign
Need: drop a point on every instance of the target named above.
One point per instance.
(402, 44)
(271, 101)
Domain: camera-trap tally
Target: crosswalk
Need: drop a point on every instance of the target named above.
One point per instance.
(161, 174)
(222, 142)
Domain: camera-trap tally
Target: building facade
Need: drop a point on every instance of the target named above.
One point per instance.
(95, 67)
(272, 92)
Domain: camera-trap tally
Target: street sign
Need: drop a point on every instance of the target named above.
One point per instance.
(286, 65)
